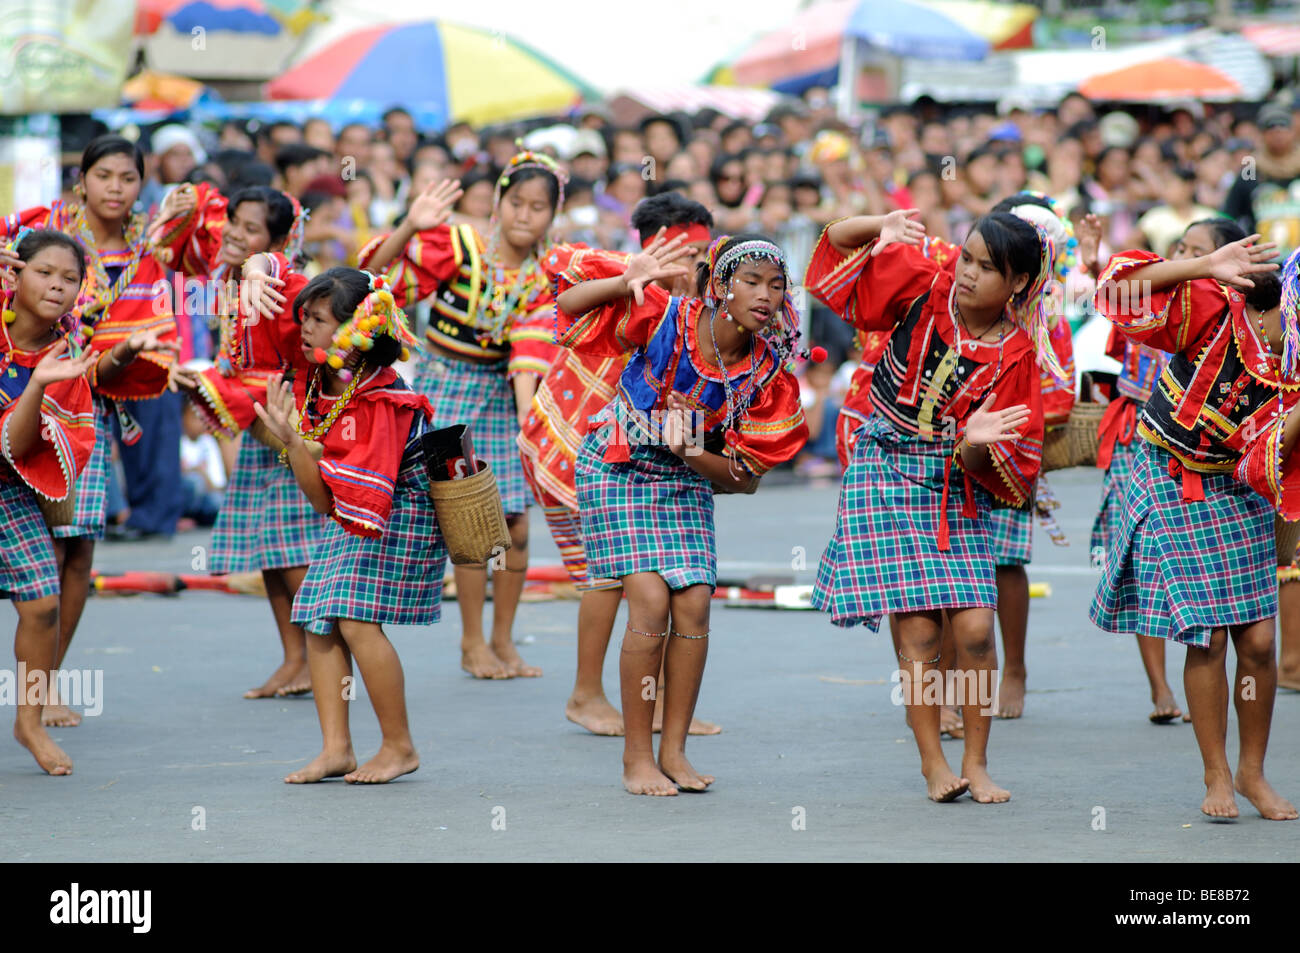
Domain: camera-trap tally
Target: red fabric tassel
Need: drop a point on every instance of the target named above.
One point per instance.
(968, 505)
(1118, 423)
(617, 450)
(944, 544)
(1193, 488)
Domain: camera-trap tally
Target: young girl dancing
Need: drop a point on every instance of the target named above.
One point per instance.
(47, 432)
(1193, 556)
(957, 423)
(123, 314)
(645, 485)
(489, 343)
(577, 387)
(381, 557)
(1140, 368)
(265, 524)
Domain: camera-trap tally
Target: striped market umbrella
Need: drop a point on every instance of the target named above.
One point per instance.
(1162, 80)
(807, 51)
(236, 16)
(460, 72)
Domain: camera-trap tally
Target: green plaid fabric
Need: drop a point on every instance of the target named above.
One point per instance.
(27, 566)
(1179, 568)
(1011, 536)
(885, 556)
(266, 522)
(90, 512)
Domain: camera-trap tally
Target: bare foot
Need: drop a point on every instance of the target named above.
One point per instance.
(697, 726)
(942, 785)
(982, 788)
(1166, 709)
(327, 764)
(1011, 696)
(515, 666)
(59, 716)
(680, 770)
(644, 777)
(950, 722)
(597, 715)
(481, 662)
(387, 764)
(1219, 801)
(52, 759)
(299, 684)
(1187, 717)
(1271, 805)
(281, 677)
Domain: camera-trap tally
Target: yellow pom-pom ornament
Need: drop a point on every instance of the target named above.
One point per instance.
(335, 361)
(358, 340)
(406, 354)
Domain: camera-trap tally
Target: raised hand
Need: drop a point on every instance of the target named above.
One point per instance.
(986, 426)
(431, 207)
(655, 262)
(181, 378)
(258, 292)
(1088, 232)
(1234, 261)
(143, 341)
(179, 201)
(674, 426)
(899, 227)
(9, 260)
(279, 412)
(53, 368)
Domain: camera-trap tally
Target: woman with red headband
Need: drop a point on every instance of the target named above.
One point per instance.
(490, 341)
(265, 525)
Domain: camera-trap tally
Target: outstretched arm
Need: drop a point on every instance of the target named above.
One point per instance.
(850, 234)
(1233, 264)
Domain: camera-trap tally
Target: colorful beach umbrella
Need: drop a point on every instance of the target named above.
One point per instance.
(235, 16)
(806, 51)
(1162, 80)
(465, 73)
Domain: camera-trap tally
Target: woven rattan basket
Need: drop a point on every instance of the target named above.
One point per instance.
(470, 516)
(1081, 433)
(1056, 449)
(59, 512)
(1288, 537)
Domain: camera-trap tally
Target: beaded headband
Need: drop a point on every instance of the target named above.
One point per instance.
(376, 315)
(68, 322)
(527, 159)
(783, 335)
(1291, 315)
(1056, 224)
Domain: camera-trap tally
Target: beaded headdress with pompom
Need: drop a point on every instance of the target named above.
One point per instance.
(377, 315)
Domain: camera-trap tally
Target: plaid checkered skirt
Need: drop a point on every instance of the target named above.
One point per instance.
(1113, 484)
(1178, 569)
(266, 521)
(885, 556)
(27, 566)
(650, 514)
(1011, 536)
(481, 397)
(395, 578)
(90, 510)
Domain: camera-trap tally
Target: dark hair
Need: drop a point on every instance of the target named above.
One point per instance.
(346, 288)
(296, 154)
(1267, 293)
(39, 239)
(1013, 244)
(251, 172)
(548, 179)
(479, 173)
(666, 210)
(1222, 232)
(668, 121)
(279, 210)
(395, 111)
(702, 271)
(923, 173)
(102, 146)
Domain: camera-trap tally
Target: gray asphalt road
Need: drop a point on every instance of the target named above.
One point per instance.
(810, 733)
